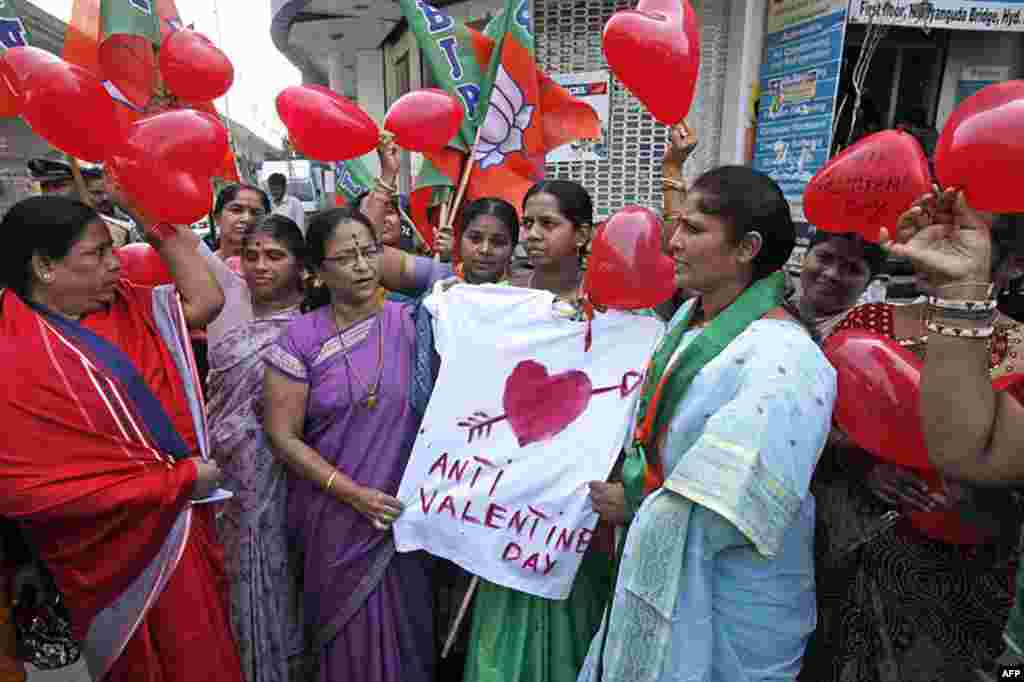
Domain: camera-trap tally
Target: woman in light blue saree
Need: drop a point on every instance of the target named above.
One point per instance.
(716, 580)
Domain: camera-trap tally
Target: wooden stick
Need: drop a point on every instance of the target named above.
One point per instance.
(442, 224)
(464, 182)
(76, 175)
(461, 616)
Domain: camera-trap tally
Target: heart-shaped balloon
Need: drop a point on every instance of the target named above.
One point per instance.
(20, 63)
(165, 163)
(868, 185)
(539, 406)
(193, 68)
(52, 93)
(325, 126)
(878, 404)
(176, 197)
(10, 106)
(982, 146)
(127, 60)
(627, 268)
(142, 264)
(180, 140)
(424, 120)
(655, 51)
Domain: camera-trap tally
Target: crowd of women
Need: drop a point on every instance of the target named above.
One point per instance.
(755, 540)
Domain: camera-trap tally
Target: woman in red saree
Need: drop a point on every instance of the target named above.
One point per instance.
(103, 460)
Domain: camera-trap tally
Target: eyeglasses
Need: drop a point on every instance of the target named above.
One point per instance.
(239, 209)
(347, 259)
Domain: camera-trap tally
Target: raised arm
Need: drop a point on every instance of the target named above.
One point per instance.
(972, 433)
(201, 296)
(682, 142)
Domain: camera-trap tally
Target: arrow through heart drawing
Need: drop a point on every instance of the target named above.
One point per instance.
(539, 406)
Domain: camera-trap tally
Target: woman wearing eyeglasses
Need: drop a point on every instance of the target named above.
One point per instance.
(337, 412)
(237, 208)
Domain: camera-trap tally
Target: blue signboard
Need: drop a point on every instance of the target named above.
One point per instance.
(799, 81)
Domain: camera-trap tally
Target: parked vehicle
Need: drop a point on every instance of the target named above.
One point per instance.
(305, 181)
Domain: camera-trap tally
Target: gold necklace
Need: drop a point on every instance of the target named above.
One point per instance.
(369, 401)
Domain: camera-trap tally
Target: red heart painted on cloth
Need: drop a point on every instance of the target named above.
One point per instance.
(540, 406)
(627, 268)
(655, 51)
(424, 120)
(868, 185)
(981, 148)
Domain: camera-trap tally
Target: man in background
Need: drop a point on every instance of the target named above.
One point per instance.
(285, 204)
(55, 178)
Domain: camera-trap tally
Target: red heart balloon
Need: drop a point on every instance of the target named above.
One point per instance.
(325, 126)
(193, 68)
(9, 103)
(627, 268)
(165, 163)
(982, 146)
(176, 197)
(540, 406)
(655, 51)
(127, 60)
(181, 140)
(18, 63)
(50, 92)
(868, 185)
(142, 264)
(424, 120)
(878, 403)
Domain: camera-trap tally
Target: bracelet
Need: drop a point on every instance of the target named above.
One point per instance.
(390, 189)
(673, 184)
(330, 481)
(962, 305)
(960, 332)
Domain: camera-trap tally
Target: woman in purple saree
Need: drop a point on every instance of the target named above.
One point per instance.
(337, 412)
(258, 307)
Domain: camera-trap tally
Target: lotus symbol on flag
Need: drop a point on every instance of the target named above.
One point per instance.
(507, 120)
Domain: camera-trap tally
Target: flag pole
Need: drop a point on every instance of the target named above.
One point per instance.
(464, 182)
(76, 175)
(461, 616)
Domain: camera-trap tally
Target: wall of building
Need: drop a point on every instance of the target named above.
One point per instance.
(569, 40)
(977, 48)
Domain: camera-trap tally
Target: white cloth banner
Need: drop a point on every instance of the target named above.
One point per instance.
(522, 418)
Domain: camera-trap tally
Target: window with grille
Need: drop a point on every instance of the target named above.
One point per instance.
(568, 40)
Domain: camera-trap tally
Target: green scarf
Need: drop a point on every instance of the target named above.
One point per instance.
(757, 300)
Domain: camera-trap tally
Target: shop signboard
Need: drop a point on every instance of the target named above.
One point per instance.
(594, 89)
(971, 15)
(798, 86)
(974, 78)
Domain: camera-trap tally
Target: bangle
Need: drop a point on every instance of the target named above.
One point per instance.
(960, 332)
(388, 188)
(330, 481)
(962, 310)
(673, 184)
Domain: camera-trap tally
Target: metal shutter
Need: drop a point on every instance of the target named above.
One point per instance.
(568, 40)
